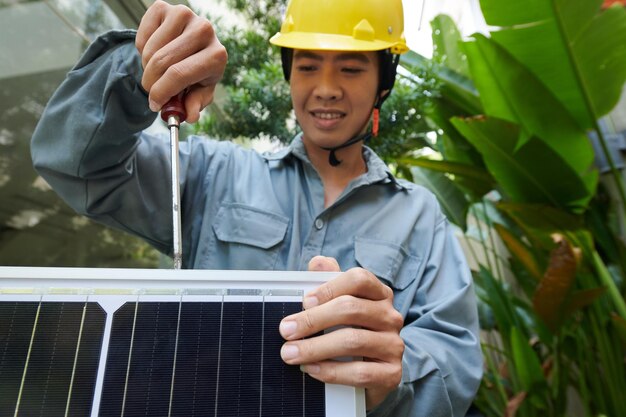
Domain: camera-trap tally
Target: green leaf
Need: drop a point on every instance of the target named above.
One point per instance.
(475, 180)
(452, 200)
(455, 87)
(542, 217)
(509, 91)
(577, 51)
(446, 45)
(487, 211)
(532, 173)
(527, 365)
(602, 220)
(453, 146)
(455, 168)
(620, 325)
(493, 293)
(582, 298)
(519, 250)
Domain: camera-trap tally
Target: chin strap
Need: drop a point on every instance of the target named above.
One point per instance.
(332, 156)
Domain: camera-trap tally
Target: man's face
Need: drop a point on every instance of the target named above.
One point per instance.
(333, 93)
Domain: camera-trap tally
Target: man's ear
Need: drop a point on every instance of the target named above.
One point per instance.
(384, 93)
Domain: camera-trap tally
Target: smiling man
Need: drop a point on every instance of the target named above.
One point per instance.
(326, 203)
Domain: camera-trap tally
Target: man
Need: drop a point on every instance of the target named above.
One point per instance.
(326, 203)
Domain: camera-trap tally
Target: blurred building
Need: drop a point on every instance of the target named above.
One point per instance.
(40, 42)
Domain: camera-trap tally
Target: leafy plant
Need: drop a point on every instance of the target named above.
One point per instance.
(512, 111)
(498, 127)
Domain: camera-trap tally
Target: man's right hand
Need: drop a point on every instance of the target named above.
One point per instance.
(179, 50)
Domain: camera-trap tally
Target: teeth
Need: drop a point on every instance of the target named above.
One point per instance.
(328, 116)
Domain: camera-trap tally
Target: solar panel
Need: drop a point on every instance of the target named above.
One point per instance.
(119, 342)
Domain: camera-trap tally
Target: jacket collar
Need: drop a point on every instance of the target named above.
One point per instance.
(377, 170)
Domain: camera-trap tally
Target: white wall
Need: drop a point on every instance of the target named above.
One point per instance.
(465, 13)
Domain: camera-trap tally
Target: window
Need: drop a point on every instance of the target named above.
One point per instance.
(40, 42)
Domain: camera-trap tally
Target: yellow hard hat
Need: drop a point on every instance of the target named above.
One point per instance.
(343, 25)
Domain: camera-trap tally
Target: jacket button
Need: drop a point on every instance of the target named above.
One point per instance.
(319, 224)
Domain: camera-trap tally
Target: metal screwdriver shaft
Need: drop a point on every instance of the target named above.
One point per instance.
(174, 114)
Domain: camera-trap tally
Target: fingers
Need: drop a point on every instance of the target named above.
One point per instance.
(175, 42)
(196, 99)
(357, 282)
(165, 29)
(355, 298)
(357, 374)
(324, 264)
(377, 346)
(150, 22)
(344, 310)
(197, 71)
(179, 51)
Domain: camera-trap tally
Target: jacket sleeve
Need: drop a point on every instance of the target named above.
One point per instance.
(89, 145)
(442, 362)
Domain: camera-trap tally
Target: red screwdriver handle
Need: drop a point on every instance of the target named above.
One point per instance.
(175, 107)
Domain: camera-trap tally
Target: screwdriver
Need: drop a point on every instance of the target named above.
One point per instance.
(173, 113)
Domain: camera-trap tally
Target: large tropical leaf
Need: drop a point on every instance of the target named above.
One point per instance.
(578, 52)
(583, 298)
(454, 168)
(447, 48)
(451, 144)
(531, 173)
(452, 200)
(509, 91)
(542, 217)
(499, 298)
(526, 362)
(454, 94)
(620, 325)
(520, 251)
(476, 181)
(454, 86)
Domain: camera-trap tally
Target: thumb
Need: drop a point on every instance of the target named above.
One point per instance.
(324, 264)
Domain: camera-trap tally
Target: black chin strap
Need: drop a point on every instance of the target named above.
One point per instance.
(332, 157)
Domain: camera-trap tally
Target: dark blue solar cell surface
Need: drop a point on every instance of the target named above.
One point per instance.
(164, 358)
(16, 326)
(195, 380)
(49, 351)
(221, 360)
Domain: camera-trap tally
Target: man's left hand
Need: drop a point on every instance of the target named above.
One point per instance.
(358, 300)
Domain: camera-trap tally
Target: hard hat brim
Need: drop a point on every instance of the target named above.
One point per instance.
(328, 42)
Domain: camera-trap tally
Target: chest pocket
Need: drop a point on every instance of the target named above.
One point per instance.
(389, 262)
(247, 237)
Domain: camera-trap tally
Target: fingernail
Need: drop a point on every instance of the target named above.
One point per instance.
(289, 352)
(153, 106)
(310, 369)
(310, 301)
(287, 328)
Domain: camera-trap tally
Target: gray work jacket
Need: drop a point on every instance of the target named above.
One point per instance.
(243, 210)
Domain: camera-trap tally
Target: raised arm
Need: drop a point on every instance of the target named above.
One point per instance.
(90, 145)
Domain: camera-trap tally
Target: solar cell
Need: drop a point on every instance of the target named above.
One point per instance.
(122, 346)
(195, 379)
(49, 357)
(16, 325)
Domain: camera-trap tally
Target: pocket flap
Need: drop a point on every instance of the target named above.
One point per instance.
(248, 225)
(387, 261)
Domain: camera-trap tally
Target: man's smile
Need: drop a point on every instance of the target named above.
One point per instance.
(325, 119)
